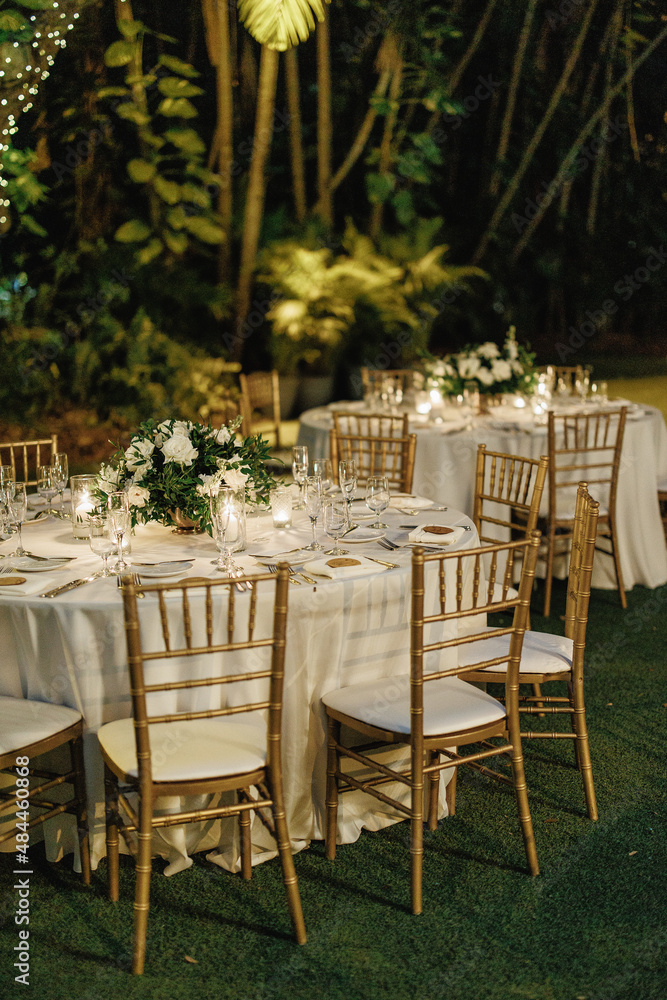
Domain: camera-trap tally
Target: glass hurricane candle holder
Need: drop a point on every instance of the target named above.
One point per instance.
(281, 507)
(84, 504)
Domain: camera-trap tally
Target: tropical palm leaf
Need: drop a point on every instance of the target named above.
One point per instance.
(280, 24)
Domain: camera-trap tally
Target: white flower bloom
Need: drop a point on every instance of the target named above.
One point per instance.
(235, 478)
(178, 448)
(204, 489)
(138, 496)
(138, 454)
(221, 436)
(517, 368)
(511, 349)
(485, 376)
(501, 370)
(468, 366)
(488, 350)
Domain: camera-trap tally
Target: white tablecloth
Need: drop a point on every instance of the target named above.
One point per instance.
(445, 471)
(71, 650)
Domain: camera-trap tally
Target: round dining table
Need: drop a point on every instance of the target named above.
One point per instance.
(70, 650)
(446, 456)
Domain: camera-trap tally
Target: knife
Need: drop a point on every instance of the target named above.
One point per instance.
(72, 585)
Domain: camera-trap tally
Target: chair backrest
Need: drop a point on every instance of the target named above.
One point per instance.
(379, 443)
(580, 572)
(462, 588)
(260, 402)
(403, 379)
(567, 375)
(26, 456)
(213, 636)
(584, 446)
(508, 493)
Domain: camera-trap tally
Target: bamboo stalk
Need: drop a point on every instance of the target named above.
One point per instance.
(324, 126)
(296, 146)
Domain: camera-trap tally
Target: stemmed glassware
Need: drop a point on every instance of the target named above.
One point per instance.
(17, 507)
(347, 480)
(300, 469)
(313, 503)
(335, 523)
(377, 497)
(226, 520)
(322, 468)
(46, 486)
(101, 538)
(6, 476)
(120, 523)
(60, 473)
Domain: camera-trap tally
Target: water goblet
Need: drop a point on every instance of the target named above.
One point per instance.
(6, 476)
(60, 473)
(377, 497)
(46, 486)
(313, 503)
(347, 480)
(335, 523)
(226, 520)
(299, 469)
(101, 539)
(322, 468)
(118, 508)
(17, 507)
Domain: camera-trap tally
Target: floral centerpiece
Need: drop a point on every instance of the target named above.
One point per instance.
(489, 368)
(170, 469)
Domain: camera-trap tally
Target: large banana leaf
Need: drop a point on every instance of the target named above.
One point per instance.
(280, 24)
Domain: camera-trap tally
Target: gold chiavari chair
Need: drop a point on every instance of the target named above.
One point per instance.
(583, 447)
(508, 493)
(430, 709)
(25, 457)
(260, 404)
(29, 729)
(234, 747)
(662, 502)
(546, 658)
(403, 379)
(566, 375)
(379, 443)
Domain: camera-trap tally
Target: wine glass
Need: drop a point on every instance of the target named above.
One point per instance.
(299, 469)
(6, 475)
(335, 523)
(322, 468)
(347, 480)
(377, 497)
(60, 473)
(313, 504)
(102, 542)
(46, 486)
(118, 508)
(226, 520)
(17, 506)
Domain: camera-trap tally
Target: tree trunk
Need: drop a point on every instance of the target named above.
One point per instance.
(296, 146)
(615, 27)
(254, 206)
(384, 163)
(216, 21)
(324, 129)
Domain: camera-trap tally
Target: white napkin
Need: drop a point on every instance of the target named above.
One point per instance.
(37, 584)
(404, 500)
(279, 541)
(361, 567)
(421, 534)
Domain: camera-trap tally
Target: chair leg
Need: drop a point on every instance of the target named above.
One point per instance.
(433, 792)
(417, 846)
(245, 844)
(286, 860)
(551, 542)
(450, 792)
(617, 565)
(143, 884)
(537, 691)
(583, 749)
(333, 737)
(523, 808)
(82, 807)
(111, 796)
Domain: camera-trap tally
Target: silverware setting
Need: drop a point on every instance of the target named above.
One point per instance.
(72, 585)
(273, 568)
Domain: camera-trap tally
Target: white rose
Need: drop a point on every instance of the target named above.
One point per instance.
(511, 349)
(501, 369)
(138, 496)
(488, 350)
(178, 448)
(485, 376)
(235, 478)
(138, 454)
(468, 367)
(221, 436)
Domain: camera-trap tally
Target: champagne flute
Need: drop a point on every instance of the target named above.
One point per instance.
(335, 523)
(377, 497)
(313, 504)
(299, 469)
(101, 539)
(60, 473)
(347, 480)
(120, 521)
(17, 506)
(46, 486)
(322, 468)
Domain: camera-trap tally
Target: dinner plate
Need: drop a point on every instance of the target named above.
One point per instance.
(34, 517)
(363, 534)
(291, 558)
(163, 569)
(27, 565)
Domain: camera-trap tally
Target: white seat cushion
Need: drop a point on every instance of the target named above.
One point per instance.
(450, 705)
(186, 751)
(23, 722)
(542, 653)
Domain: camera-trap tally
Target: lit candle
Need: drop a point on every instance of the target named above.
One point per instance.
(83, 510)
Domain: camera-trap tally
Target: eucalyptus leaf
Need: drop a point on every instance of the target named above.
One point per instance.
(119, 53)
(204, 229)
(177, 242)
(150, 251)
(112, 92)
(12, 20)
(134, 231)
(130, 29)
(141, 170)
(174, 86)
(169, 191)
(196, 195)
(185, 139)
(178, 66)
(133, 113)
(177, 107)
(177, 217)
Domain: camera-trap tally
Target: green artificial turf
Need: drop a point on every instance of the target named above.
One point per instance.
(592, 925)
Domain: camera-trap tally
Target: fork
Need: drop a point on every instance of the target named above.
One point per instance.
(294, 572)
(273, 568)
